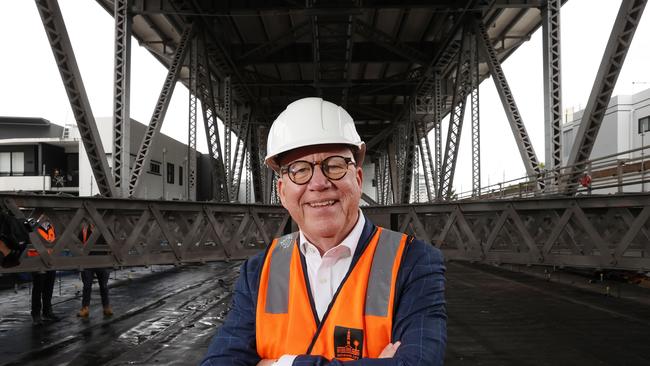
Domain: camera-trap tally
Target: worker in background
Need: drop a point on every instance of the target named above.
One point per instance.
(341, 288)
(87, 279)
(43, 281)
(14, 237)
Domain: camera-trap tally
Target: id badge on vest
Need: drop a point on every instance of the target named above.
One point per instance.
(348, 343)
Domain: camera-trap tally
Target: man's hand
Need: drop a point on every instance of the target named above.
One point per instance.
(266, 362)
(389, 350)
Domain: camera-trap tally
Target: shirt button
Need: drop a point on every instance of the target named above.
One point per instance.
(322, 280)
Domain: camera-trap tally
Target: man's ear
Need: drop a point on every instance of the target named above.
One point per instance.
(280, 186)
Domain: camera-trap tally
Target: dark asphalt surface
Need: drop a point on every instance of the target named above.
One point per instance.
(167, 316)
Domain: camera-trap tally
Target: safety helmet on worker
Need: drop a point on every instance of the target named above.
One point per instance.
(312, 121)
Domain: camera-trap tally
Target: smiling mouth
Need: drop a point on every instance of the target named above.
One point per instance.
(321, 204)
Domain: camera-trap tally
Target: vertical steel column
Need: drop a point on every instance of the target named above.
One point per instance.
(611, 64)
(57, 35)
(416, 175)
(552, 87)
(517, 126)
(437, 120)
(462, 89)
(408, 143)
(159, 112)
(191, 131)
(393, 172)
(476, 133)
(209, 107)
(121, 93)
(240, 151)
(227, 130)
(257, 151)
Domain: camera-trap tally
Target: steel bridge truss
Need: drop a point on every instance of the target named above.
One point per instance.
(158, 116)
(589, 231)
(64, 56)
(594, 232)
(611, 64)
(140, 233)
(552, 87)
(522, 139)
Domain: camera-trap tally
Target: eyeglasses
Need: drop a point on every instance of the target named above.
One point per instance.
(334, 168)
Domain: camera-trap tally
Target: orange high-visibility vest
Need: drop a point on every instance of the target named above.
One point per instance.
(359, 320)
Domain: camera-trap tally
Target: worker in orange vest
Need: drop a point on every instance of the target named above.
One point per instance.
(43, 281)
(341, 288)
(87, 278)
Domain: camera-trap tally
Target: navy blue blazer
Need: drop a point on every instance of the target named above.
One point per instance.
(419, 321)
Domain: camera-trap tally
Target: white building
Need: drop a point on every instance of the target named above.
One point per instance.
(31, 149)
(625, 127)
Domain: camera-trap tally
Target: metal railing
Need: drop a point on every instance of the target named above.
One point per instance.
(606, 175)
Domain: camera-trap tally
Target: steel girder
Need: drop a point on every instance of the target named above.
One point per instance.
(121, 93)
(588, 231)
(266, 49)
(408, 141)
(140, 233)
(192, 116)
(227, 121)
(390, 43)
(517, 126)
(240, 151)
(210, 110)
(437, 120)
(462, 89)
(64, 56)
(552, 86)
(476, 132)
(430, 176)
(598, 232)
(257, 152)
(158, 116)
(611, 64)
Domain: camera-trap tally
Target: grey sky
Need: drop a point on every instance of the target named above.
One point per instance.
(31, 84)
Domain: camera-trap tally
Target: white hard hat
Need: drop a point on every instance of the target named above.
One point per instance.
(312, 121)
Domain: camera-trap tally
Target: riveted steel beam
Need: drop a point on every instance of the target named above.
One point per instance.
(158, 116)
(620, 38)
(476, 131)
(57, 35)
(121, 93)
(462, 89)
(517, 126)
(192, 117)
(552, 85)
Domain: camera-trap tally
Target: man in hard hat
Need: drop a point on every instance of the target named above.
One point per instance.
(340, 289)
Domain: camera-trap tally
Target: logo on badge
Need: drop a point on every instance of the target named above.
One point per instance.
(348, 343)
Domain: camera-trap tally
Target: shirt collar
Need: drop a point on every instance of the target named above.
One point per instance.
(351, 241)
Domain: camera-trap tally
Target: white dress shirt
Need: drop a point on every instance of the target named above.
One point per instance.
(326, 273)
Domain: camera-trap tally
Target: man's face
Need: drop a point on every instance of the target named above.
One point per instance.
(325, 210)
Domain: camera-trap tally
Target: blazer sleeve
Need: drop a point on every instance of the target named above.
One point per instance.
(234, 343)
(420, 314)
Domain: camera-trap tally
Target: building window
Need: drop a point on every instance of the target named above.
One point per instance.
(180, 175)
(170, 173)
(154, 167)
(644, 124)
(12, 163)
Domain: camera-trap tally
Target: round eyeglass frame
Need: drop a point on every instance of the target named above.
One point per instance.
(323, 168)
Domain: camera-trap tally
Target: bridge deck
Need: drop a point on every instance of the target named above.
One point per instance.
(496, 317)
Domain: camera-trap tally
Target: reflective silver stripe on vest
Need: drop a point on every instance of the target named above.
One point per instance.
(277, 290)
(379, 283)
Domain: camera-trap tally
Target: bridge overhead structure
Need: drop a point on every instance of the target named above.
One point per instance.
(605, 232)
(398, 67)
